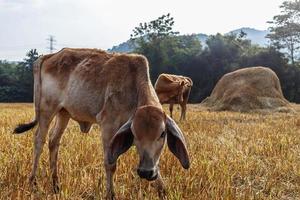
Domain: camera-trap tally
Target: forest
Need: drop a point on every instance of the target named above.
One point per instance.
(169, 52)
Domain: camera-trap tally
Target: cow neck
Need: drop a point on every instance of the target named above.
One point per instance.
(147, 96)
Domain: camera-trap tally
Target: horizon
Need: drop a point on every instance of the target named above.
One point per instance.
(28, 23)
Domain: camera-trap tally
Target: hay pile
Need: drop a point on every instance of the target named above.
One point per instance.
(246, 90)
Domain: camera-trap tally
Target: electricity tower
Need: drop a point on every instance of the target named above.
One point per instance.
(51, 43)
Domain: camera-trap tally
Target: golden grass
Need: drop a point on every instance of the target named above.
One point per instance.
(233, 156)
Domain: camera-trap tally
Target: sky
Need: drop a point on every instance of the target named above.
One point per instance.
(26, 24)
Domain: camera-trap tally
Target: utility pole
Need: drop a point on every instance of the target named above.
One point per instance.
(51, 43)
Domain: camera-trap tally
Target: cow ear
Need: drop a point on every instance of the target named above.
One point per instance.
(120, 143)
(176, 143)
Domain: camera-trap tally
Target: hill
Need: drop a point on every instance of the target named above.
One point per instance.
(256, 36)
(124, 47)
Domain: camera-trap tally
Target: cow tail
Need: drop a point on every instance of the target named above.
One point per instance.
(21, 128)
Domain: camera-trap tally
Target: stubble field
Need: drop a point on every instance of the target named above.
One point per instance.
(233, 156)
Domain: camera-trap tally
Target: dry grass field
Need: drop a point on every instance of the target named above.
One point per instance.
(233, 156)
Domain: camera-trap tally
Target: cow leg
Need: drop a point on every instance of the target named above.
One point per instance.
(62, 119)
(110, 169)
(171, 109)
(186, 98)
(183, 111)
(160, 186)
(39, 141)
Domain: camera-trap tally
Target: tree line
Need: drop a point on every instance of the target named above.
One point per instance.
(16, 79)
(169, 52)
(220, 55)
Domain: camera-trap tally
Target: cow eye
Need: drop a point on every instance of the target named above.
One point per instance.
(163, 134)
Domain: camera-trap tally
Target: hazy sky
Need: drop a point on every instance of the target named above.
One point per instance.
(26, 24)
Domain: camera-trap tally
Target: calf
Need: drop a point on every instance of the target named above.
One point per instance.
(173, 89)
(112, 90)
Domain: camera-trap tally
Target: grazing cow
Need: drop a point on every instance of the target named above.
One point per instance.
(112, 90)
(173, 89)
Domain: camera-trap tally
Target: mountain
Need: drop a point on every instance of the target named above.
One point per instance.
(202, 37)
(124, 47)
(256, 36)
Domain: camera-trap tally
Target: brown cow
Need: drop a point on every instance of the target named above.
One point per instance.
(173, 89)
(112, 90)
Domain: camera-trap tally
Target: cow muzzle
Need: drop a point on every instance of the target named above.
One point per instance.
(150, 175)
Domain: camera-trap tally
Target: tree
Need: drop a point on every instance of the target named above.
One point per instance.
(25, 67)
(32, 56)
(25, 76)
(285, 32)
(148, 39)
(154, 30)
(165, 50)
(224, 51)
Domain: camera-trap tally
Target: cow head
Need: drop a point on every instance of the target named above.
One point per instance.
(148, 130)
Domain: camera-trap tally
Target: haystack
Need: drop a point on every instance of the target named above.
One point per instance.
(246, 90)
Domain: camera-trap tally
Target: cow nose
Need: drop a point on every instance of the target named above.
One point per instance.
(147, 174)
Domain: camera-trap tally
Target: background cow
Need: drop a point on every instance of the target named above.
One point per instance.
(112, 90)
(173, 89)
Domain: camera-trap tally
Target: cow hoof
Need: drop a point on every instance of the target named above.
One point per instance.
(33, 185)
(56, 189)
(162, 194)
(161, 190)
(110, 196)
